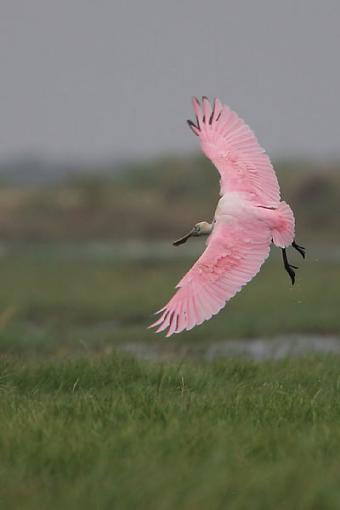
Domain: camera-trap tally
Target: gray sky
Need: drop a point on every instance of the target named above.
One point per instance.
(110, 78)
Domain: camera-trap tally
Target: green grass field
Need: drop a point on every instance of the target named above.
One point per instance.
(84, 427)
(115, 433)
(60, 302)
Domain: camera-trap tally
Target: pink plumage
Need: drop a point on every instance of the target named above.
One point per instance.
(249, 216)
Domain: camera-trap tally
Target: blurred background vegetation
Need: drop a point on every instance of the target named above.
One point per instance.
(153, 200)
(86, 257)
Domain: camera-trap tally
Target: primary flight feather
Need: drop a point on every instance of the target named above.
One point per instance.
(249, 217)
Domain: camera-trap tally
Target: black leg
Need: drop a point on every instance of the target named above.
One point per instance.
(300, 249)
(288, 267)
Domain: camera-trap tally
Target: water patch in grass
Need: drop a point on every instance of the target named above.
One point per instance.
(256, 349)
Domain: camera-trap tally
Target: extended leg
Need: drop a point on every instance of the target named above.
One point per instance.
(300, 249)
(288, 267)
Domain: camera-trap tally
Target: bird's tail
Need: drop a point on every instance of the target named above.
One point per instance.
(283, 232)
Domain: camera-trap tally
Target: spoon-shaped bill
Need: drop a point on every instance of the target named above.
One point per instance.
(183, 239)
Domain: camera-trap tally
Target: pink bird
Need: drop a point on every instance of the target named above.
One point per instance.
(248, 218)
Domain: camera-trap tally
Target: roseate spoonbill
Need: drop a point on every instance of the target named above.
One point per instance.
(249, 217)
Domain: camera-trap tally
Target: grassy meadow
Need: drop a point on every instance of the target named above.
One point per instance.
(84, 264)
(71, 302)
(114, 433)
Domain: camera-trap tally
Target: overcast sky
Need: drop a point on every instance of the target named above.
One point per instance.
(110, 78)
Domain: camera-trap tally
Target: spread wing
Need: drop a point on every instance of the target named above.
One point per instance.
(233, 148)
(234, 255)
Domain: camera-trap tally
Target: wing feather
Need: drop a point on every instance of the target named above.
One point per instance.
(234, 255)
(233, 148)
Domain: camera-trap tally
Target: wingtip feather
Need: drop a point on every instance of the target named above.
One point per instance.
(197, 108)
(193, 127)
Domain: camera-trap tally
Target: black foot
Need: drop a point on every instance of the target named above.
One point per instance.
(300, 249)
(288, 267)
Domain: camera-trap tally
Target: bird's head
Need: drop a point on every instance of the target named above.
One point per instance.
(202, 228)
